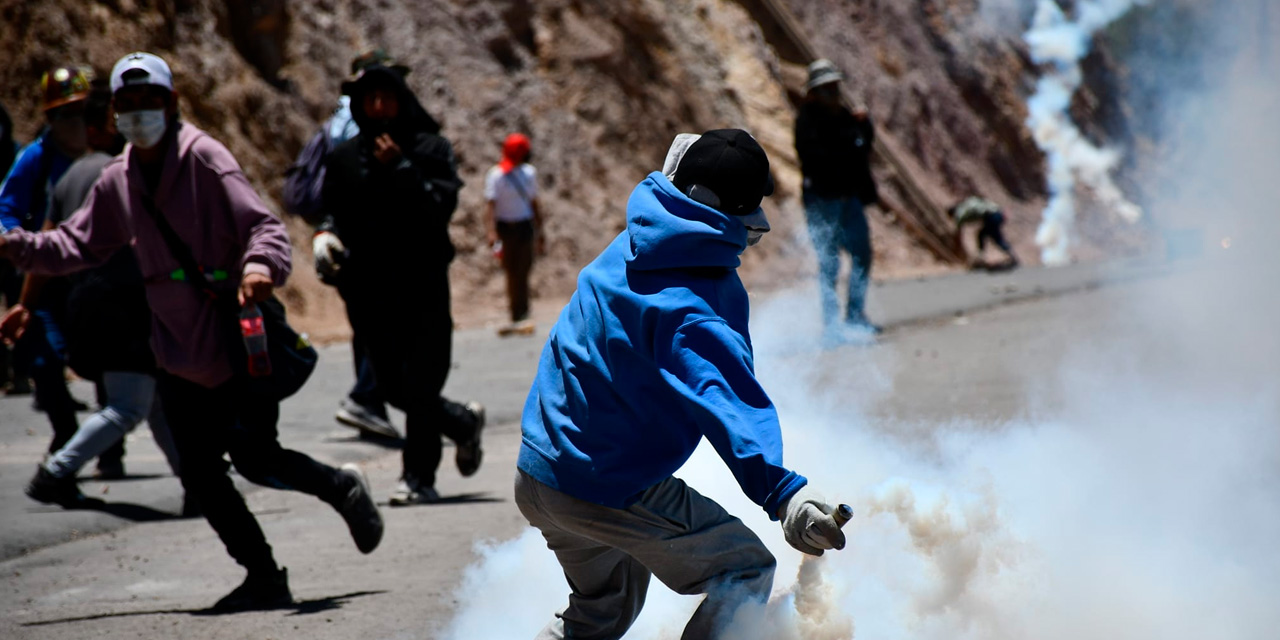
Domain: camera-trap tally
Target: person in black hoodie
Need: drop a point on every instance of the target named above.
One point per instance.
(388, 196)
(834, 147)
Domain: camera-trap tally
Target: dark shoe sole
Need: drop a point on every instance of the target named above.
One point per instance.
(359, 516)
(469, 455)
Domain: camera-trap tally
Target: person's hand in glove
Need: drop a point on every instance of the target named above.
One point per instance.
(809, 524)
(328, 251)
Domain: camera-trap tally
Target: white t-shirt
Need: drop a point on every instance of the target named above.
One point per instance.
(509, 204)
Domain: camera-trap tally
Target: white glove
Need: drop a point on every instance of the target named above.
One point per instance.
(809, 525)
(328, 251)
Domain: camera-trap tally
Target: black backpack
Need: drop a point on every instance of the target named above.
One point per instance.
(304, 179)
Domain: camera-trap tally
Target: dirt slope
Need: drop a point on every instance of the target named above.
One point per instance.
(601, 88)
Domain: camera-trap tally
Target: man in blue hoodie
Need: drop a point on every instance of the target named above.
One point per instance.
(652, 354)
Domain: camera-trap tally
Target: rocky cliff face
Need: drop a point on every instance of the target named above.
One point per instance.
(600, 87)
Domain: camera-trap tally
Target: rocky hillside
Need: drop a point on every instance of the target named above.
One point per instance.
(600, 87)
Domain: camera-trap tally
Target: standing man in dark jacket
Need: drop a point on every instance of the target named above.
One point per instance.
(388, 196)
(834, 147)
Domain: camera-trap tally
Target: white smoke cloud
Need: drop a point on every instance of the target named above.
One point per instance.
(1061, 43)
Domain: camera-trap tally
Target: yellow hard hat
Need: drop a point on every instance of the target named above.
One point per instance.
(64, 85)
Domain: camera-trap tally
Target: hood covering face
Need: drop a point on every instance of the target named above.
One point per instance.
(668, 230)
(411, 118)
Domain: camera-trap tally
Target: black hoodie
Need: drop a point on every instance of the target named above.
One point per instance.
(392, 218)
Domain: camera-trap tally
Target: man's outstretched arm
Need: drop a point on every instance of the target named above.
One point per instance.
(87, 239)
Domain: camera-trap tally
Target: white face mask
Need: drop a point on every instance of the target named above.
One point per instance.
(143, 128)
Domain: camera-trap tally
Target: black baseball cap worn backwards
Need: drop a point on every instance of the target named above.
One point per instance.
(732, 165)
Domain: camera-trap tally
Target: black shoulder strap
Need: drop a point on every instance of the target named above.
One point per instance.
(191, 270)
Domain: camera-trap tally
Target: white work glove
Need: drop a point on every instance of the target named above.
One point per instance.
(808, 523)
(328, 251)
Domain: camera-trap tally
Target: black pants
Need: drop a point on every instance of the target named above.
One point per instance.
(517, 261)
(408, 333)
(207, 423)
(993, 229)
(365, 392)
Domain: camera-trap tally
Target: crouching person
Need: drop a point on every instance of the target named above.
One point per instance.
(175, 180)
(652, 354)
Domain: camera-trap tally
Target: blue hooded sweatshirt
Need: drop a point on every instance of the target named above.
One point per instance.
(650, 355)
(40, 160)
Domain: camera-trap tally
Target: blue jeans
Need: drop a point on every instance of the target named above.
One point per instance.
(130, 397)
(835, 224)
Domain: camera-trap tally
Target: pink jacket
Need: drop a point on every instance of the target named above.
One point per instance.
(207, 200)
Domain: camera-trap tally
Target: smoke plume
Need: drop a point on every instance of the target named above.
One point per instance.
(1058, 44)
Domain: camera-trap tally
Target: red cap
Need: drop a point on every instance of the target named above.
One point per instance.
(515, 149)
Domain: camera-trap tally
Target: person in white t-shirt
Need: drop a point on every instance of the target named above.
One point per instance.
(514, 223)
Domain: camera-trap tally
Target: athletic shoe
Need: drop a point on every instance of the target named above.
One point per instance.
(50, 489)
(859, 324)
(352, 414)
(469, 453)
(410, 491)
(259, 591)
(359, 510)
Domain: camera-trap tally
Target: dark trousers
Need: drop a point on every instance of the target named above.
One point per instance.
(409, 335)
(13, 368)
(993, 229)
(44, 347)
(517, 261)
(208, 423)
(837, 224)
(365, 392)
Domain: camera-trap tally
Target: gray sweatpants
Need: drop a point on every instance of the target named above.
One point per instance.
(688, 541)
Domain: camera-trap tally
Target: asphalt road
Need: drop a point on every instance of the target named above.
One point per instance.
(964, 346)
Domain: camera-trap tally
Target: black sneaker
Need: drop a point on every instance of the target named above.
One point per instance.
(469, 454)
(259, 591)
(359, 510)
(50, 489)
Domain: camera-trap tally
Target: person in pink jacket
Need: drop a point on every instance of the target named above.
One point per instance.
(174, 170)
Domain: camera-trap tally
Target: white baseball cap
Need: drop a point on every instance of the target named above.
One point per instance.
(141, 68)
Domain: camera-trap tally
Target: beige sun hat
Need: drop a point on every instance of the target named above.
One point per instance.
(822, 72)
